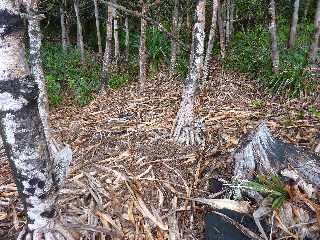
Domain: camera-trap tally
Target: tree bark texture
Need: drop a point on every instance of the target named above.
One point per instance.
(294, 22)
(127, 42)
(96, 14)
(273, 33)
(108, 50)
(222, 35)
(186, 130)
(116, 36)
(22, 128)
(261, 154)
(315, 43)
(80, 43)
(175, 17)
(63, 29)
(143, 49)
(207, 60)
(228, 28)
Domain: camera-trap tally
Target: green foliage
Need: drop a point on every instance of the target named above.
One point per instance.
(66, 69)
(314, 111)
(53, 88)
(272, 187)
(158, 48)
(257, 104)
(182, 65)
(250, 53)
(117, 81)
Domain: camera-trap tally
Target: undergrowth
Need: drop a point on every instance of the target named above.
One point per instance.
(64, 70)
(250, 53)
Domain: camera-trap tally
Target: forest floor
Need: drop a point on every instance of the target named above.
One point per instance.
(127, 174)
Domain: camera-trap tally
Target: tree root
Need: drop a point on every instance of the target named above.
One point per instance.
(185, 130)
(54, 230)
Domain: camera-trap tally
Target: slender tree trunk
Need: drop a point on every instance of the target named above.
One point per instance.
(228, 34)
(306, 8)
(273, 33)
(108, 50)
(315, 44)
(189, 15)
(221, 32)
(96, 14)
(142, 49)
(63, 29)
(126, 24)
(186, 131)
(232, 13)
(35, 38)
(116, 36)
(175, 17)
(22, 129)
(294, 22)
(317, 17)
(67, 29)
(79, 29)
(207, 60)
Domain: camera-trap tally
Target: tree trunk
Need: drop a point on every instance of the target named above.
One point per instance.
(35, 39)
(273, 33)
(207, 60)
(186, 130)
(22, 129)
(126, 24)
(67, 20)
(142, 49)
(96, 14)
(108, 50)
(63, 29)
(315, 44)
(317, 17)
(175, 17)
(116, 36)
(306, 9)
(294, 22)
(79, 29)
(221, 32)
(228, 33)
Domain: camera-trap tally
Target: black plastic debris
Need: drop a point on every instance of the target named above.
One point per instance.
(216, 228)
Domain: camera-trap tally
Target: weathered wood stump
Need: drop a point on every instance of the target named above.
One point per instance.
(261, 154)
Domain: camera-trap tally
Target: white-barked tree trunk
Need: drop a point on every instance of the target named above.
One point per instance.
(208, 57)
(38, 176)
(274, 41)
(96, 14)
(186, 130)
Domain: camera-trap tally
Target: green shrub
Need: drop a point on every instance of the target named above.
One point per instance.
(53, 88)
(117, 81)
(66, 68)
(250, 53)
(158, 48)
